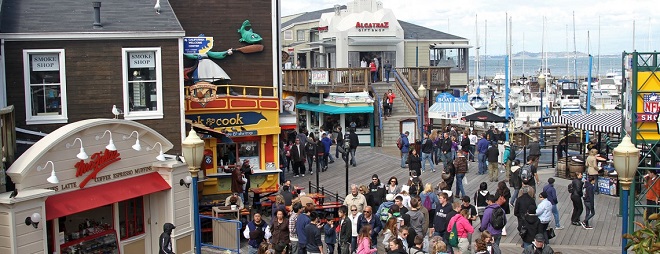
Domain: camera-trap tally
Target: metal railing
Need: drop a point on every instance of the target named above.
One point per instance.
(338, 79)
(238, 90)
(323, 191)
(409, 97)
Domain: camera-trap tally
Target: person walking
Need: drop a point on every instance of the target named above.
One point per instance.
(473, 144)
(344, 231)
(552, 196)
(353, 144)
(514, 181)
(575, 188)
(538, 247)
(298, 157)
(480, 199)
(493, 155)
(367, 218)
(544, 211)
(463, 228)
(482, 148)
(313, 234)
(405, 147)
(280, 229)
(414, 163)
(387, 67)
(529, 226)
(311, 152)
(330, 232)
(256, 231)
(377, 192)
(534, 152)
(327, 142)
(427, 153)
(390, 101)
(503, 195)
(364, 241)
(524, 201)
(461, 165)
(507, 159)
(355, 199)
(353, 216)
(339, 140)
(490, 218)
(374, 71)
(652, 192)
(589, 191)
(445, 148)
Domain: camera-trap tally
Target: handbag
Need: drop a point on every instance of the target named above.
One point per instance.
(551, 233)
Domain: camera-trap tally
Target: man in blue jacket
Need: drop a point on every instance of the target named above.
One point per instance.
(327, 142)
(482, 147)
(405, 148)
(552, 197)
(301, 222)
(487, 220)
(367, 218)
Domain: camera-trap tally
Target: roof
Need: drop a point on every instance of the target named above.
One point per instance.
(75, 16)
(310, 16)
(424, 33)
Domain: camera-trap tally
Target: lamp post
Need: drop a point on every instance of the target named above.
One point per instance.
(193, 152)
(541, 88)
(626, 160)
(422, 92)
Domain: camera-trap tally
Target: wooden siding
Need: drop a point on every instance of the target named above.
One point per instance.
(181, 200)
(28, 238)
(221, 20)
(5, 233)
(94, 81)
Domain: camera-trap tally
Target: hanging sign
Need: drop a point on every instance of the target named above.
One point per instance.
(320, 78)
(144, 59)
(45, 62)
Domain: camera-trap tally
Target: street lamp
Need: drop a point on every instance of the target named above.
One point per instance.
(193, 152)
(541, 88)
(626, 160)
(422, 92)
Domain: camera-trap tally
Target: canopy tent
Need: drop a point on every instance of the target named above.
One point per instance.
(485, 116)
(447, 106)
(599, 122)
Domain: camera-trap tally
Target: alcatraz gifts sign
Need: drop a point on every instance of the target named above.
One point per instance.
(145, 59)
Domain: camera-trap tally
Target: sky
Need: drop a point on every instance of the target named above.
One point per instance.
(457, 17)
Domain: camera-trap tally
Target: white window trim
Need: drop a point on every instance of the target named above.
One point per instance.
(141, 115)
(288, 35)
(51, 119)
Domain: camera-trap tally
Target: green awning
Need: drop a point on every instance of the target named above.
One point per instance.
(333, 110)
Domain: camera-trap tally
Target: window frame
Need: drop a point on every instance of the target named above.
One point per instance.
(300, 32)
(138, 215)
(47, 119)
(141, 115)
(288, 35)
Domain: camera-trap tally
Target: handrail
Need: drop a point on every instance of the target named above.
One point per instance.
(325, 192)
(410, 95)
(380, 112)
(230, 90)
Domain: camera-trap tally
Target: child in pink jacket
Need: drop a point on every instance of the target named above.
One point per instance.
(364, 241)
(463, 228)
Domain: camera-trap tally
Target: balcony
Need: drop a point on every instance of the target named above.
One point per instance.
(206, 96)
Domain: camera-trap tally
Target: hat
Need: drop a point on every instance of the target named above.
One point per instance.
(389, 197)
(544, 194)
(374, 176)
(539, 238)
(506, 144)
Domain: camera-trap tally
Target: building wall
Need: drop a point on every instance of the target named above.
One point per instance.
(6, 228)
(28, 238)
(94, 81)
(300, 44)
(410, 52)
(221, 20)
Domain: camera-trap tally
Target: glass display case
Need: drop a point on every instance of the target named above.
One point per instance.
(104, 242)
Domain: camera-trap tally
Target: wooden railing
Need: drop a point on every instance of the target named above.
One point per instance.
(327, 79)
(429, 76)
(407, 92)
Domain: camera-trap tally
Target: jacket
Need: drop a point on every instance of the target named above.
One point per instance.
(165, 240)
(327, 142)
(310, 148)
(296, 155)
(532, 250)
(531, 224)
(446, 145)
(236, 181)
(442, 217)
(577, 187)
(589, 190)
(488, 216)
(377, 193)
(364, 247)
(345, 231)
(534, 148)
(522, 204)
(514, 178)
(482, 146)
(492, 154)
(592, 165)
(552, 193)
(372, 67)
(505, 155)
(320, 149)
(313, 234)
(427, 146)
(375, 224)
(461, 164)
(434, 198)
(416, 221)
(280, 232)
(405, 147)
(302, 220)
(463, 226)
(544, 211)
(465, 144)
(415, 163)
(353, 140)
(330, 234)
(360, 201)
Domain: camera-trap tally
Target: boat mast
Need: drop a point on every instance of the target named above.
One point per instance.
(476, 29)
(574, 51)
(485, 45)
(598, 60)
(568, 59)
(524, 55)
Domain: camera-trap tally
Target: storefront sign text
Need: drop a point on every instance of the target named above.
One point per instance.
(105, 178)
(97, 162)
(322, 29)
(241, 134)
(49, 62)
(227, 119)
(144, 59)
(197, 45)
(320, 78)
(372, 27)
(651, 108)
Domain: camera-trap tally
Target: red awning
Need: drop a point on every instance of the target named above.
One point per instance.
(97, 196)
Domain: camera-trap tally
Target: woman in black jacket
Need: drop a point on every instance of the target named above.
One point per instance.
(414, 162)
(529, 226)
(503, 191)
(525, 200)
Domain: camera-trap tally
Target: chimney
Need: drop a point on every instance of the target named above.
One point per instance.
(97, 14)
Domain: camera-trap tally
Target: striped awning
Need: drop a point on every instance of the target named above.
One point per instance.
(447, 110)
(598, 122)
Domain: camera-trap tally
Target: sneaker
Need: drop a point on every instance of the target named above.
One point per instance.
(332, 162)
(303, 175)
(297, 176)
(583, 225)
(559, 228)
(575, 223)
(589, 227)
(433, 170)
(311, 173)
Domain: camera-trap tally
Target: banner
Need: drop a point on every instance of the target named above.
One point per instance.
(319, 77)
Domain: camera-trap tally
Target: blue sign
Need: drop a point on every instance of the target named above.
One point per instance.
(447, 97)
(606, 185)
(227, 119)
(197, 45)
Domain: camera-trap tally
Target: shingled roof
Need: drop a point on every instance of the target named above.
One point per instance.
(410, 29)
(76, 16)
(310, 16)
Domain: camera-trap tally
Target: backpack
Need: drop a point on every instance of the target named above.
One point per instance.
(399, 143)
(526, 173)
(453, 235)
(415, 186)
(427, 202)
(570, 188)
(498, 221)
(512, 153)
(384, 213)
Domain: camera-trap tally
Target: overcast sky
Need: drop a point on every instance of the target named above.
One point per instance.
(457, 17)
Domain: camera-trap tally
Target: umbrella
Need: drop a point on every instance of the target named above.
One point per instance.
(485, 116)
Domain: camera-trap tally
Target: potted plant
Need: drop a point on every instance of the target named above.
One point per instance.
(647, 238)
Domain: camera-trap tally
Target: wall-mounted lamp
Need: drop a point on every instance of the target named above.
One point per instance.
(82, 154)
(161, 156)
(186, 181)
(33, 220)
(243, 128)
(137, 146)
(53, 178)
(111, 144)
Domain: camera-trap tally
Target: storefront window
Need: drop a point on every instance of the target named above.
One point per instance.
(300, 35)
(45, 86)
(90, 231)
(131, 218)
(142, 83)
(249, 151)
(226, 154)
(361, 120)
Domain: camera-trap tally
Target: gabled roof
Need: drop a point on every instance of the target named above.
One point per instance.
(410, 29)
(76, 16)
(310, 16)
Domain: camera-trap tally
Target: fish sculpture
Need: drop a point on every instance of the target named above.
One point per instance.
(247, 35)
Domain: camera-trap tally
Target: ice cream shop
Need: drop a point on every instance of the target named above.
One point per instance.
(96, 186)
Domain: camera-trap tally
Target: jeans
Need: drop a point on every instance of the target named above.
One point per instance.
(514, 196)
(337, 151)
(425, 157)
(387, 76)
(353, 162)
(446, 159)
(526, 244)
(404, 158)
(496, 240)
(577, 208)
(302, 248)
(325, 160)
(589, 206)
(294, 247)
(471, 153)
(332, 158)
(331, 248)
(437, 153)
(544, 231)
(374, 76)
(252, 250)
(482, 164)
(459, 185)
(353, 243)
(555, 212)
(298, 167)
(310, 163)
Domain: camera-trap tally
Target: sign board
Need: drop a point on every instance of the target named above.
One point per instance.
(45, 62)
(447, 97)
(216, 120)
(606, 185)
(320, 77)
(648, 106)
(197, 45)
(372, 27)
(143, 59)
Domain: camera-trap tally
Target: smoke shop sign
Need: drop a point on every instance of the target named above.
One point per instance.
(45, 62)
(372, 27)
(144, 59)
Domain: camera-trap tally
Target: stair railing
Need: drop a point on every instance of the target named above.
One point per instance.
(409, 96)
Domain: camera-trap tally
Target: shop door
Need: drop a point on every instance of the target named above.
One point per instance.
(389, 56)
(354, 59)
(155, 217)
(149, 244)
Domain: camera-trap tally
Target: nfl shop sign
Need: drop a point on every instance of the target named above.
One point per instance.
(651, 108)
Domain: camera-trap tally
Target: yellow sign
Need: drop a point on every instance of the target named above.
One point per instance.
(648, 106)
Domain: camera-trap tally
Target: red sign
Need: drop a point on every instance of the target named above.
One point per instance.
(372, 25)
(651, 108)
(322, 29)
(97, 162)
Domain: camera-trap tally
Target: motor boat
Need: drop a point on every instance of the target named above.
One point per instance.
(477, 102)
(568, 99)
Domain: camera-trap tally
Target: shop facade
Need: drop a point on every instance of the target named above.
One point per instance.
(96, 186)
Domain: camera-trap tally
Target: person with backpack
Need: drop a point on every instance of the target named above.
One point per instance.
(494, 220)
(529, 226)
(404, 145)
(480, 199)
(493, 155)
(459, 227)
(575, 188)
(544, 212)
(523, 202)
(429, 200)
(461, 166)
(528, 174)
(552, 196)
(507, 158)
(534, 152)
(503, 195)
(514, 181)
(415, 183)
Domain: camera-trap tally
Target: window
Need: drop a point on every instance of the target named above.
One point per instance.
(131, 218)
(300, 35)
(143, 84)
(45, 86)
(288, 35)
